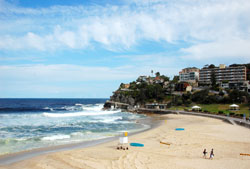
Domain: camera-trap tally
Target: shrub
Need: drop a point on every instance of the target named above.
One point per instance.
(231, 113)
(220, 112)
(221, 93)
(179, 102)
(239, 115)
(199, 96)
(206, 111)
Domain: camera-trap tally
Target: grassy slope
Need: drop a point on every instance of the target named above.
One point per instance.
(215, 108)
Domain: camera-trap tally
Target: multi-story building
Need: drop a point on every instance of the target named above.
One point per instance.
(231, 77)
(190, 74)
(248, 74)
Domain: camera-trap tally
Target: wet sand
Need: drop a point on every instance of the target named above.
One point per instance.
(185, 150)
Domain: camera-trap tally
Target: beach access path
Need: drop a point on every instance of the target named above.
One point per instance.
(232, 120)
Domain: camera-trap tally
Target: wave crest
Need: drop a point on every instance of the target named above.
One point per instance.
(79, 114)
(56, 137)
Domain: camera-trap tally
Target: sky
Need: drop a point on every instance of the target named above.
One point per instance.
(86, 48)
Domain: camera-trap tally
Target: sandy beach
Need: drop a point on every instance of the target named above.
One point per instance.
(185, 150)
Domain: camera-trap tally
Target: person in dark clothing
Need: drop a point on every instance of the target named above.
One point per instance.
(211, 154)
(205, 153)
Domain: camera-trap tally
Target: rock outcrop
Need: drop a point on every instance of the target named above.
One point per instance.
(121, 98)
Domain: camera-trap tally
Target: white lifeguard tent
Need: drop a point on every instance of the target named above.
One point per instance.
(196, 108)
(123, 141)
(234, 107)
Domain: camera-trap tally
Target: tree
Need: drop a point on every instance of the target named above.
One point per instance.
(154, 91)
(141, 98)
(200, 96)
(213, 80)
(211, 66)
(133, 85)
(175, 79)
(170, 87)
(221, 93)
(142, 85)
(237, 96)
(122, 85)
(165, 78)
(157, 74)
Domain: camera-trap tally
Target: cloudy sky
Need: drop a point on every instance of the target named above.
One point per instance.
(86, 48)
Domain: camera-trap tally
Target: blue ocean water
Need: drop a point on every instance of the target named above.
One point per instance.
(34, 123)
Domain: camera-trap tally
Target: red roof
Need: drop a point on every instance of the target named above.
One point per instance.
(157, 78)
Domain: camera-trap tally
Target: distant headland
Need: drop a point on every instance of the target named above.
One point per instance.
(212, 88)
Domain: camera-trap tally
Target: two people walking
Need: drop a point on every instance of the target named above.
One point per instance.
(211, 154)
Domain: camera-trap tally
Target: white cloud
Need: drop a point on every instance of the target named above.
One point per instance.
(68, 38)
(209, 25)
(34, 41)
(234, 48)
(62, 80)
(64, 73)
(61, 73)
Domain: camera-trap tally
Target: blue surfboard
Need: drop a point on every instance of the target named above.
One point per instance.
(137, 144)
(179, 129)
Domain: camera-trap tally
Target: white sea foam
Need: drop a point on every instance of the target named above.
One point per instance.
(79, 114)
(77, 134)
(97, 107)
(70, 108)
(47, 108)
(72, 123)
(81, 134)
(110, 119)
(55, 137)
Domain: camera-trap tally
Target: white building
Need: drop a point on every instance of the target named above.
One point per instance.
(189, 75)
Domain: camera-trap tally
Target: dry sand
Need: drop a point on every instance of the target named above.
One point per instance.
(185, 151)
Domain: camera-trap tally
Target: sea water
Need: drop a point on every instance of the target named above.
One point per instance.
(27, 124)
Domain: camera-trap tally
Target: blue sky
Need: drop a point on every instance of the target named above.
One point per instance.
(85, 49)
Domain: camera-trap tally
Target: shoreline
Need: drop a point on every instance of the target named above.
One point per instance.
(8, 159)
(184, 150)
(11, 158)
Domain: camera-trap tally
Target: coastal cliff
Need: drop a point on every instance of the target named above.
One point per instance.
(123, 98)
(138, 93)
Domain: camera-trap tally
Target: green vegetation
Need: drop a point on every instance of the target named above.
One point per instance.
(222, 109)
(206, 97)
(175, 79)
(157, 74)
(161, 90)
(215, 108)
(211, 66)
(213, 103)
(144, 92)
(215, 86)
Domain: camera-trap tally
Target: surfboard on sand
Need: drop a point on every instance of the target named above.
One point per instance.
(137, 144)
(179, 129)
(164, 143)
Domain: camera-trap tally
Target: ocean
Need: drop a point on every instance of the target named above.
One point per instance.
(27, 124)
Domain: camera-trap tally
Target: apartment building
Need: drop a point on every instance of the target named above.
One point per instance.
(190, 74)
(229, 76)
